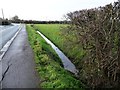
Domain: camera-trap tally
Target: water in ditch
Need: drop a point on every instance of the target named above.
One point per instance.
(68, 65)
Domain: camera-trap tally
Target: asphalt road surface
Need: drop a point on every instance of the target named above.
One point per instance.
(6, 33)
(18, 65)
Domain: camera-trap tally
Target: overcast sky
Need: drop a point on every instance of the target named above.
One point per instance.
(46, 9)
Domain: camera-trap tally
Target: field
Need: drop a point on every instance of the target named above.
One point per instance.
(49, 65)
(52, 31)
(56, 34)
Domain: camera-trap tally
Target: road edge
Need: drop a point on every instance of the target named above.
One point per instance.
(7, 45)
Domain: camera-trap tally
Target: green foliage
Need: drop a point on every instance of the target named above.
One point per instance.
(51, 73)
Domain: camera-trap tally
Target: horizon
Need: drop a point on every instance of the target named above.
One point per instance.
(46, 10)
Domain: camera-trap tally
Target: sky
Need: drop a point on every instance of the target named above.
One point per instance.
(45, 10)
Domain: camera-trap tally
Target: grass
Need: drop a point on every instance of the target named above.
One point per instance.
(53, 32)
(49, 66)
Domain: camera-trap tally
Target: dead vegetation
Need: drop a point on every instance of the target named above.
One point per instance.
(98, 33)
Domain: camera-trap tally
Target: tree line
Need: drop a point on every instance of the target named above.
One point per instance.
(16, 19)
(38, 22)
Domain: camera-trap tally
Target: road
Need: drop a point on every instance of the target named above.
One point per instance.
(18, 67)
(6, 33)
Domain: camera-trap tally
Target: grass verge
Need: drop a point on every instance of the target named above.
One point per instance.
(49, 66)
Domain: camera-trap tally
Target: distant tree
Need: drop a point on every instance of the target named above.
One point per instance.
(15, 18)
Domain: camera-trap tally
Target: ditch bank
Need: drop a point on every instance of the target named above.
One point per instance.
(68, 65)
